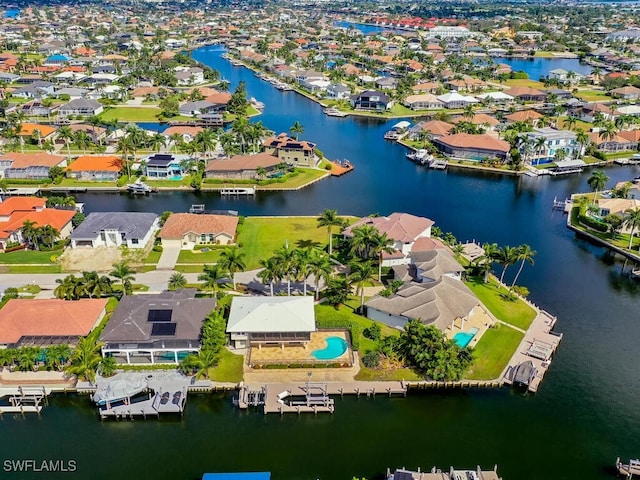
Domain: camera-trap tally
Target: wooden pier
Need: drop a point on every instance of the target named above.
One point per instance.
(169, 401)
(340, 168)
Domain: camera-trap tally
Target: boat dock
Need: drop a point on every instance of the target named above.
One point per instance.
(340, 168)
(310, 397)
(438, 164)
(24, 399)
(238, 191)
(630, 470)
(564, 205)
(452, 474)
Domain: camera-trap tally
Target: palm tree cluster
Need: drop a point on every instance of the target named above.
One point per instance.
(504, 256)
(213, 339)
(86, 358)
(34, 236)
(30, 358)
(89, 285)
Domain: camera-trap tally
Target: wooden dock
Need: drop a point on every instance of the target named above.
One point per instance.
(25, 400)
(340, 168)
(629, 470)
(310, 397)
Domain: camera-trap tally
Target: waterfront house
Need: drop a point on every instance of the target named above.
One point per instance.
(156, 328)
(526, 116)
(428, 264)
(31, 166)
(565, 76)
(527, 94)
(472, 147)
(445, 303)
(297, 153)
(338, 91)
(242, 166)
(99, 168)
(37, 131)
(46, 322)
(480, 119)
(80, 107)
(371, 100)
(589, 112)
(271, 321)
(455, 100)
(115, 229)
(496, 97)
(611, 145)
(200, 107)
(97, 134)
(35, 108)
(189, 76)
(426, 87)
(554, 140)
(424, 101)
(188, 133)
(626, 93)
(403, 229)
(14, 211)
(432, 128)
(618, 206)
(165, 165)
(186, 230)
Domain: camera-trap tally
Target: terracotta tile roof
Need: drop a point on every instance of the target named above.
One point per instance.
(425, 87)
(243, 162)
(630, 135)
(144, 91)
(436, 127)
(181, 130)
(24, 204)
(480, 142)
(49, 317)
(39, 159)
(523, 116)
(284, 141)
(519, 91)
(29, 129)
(424, 244)
(87, 163)
(221, 98)
(179, 224)
(401, 227)
(58, 219)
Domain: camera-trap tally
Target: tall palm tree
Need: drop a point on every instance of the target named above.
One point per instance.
(177, 281)
(361, 273)
(30, 233)
(285, 259)
(597, 181)
(82, 140)
(86, 358)
(380, 245)
(205, 141)
(632, 220)
(124, 273)
(125, 147)
(524, 253)
(176, 139)
(49, 234)
(270, 272)
(157, 141)
(608, 132)
(59, 355)
(232, 260)
(96, 285)
(329, 218)
(296, 129)
(320, 267)
(362, 240)
(69, 288)
(582, 138)
(506, 256)
(27, 358)
(211, 276)
(66, 134)
(571, 121)
(303, 265)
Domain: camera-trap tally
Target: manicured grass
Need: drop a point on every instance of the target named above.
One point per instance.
(592, 95)
(29, 256)
(541, 54)
(131, 114)
(153, 257)
(183, 182)
(304, 176)
(195, 268)
(621, 240)
(259, 237)
(611, 156)
(493, 352)
(229, 369)
(30, 269)
(367, 375)
(586, 126)
(32, 289)
(136, 287)
(72, 182)
(198, 256)
(523, 82)
(514, 312)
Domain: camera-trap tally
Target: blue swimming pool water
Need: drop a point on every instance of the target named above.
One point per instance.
(336, 346)
(463, 339)
(176, 177)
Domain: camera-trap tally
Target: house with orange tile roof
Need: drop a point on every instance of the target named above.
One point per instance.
(610, 145)
(14, 211)
(33, 166)
(527, 116)
(298, 153)
(241, 166)
(44, 132)
(480, 119)
(589, 112)
(186, 230)
(45, 322)
(187, 132)
(98, 168)
(472, 147)
(433, 128)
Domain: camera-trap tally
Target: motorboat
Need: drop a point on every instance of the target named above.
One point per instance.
(119, 390)
(334, 112)
(421, 156)
(139, 188)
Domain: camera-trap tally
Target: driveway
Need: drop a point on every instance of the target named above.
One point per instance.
(168, 258)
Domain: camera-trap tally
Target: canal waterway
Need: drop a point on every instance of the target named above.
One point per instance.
(584, 415)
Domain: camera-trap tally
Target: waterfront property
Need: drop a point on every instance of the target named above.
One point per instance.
(546, 142)
(156, 328)
(165, 165)
(298, 153)
(45, 322)
(29, 166)
(114, 229)
(472, 147)
(371, 100)
(186, 230)
(451, 474)
(98, 168)
(242, 166)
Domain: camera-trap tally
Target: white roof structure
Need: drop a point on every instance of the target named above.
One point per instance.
(496, 96)
(271, 314)
(629, 110)
(456, 97)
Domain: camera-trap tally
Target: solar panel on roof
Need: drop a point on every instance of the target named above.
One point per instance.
(163, 329)
(159, 315)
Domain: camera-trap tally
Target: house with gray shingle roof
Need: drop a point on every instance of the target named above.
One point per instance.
(115, 229)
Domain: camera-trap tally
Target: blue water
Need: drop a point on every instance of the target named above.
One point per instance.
(153, 126)
(11, 13)
(336, 346)
(540, 67)
(366, 29)
(463, 339)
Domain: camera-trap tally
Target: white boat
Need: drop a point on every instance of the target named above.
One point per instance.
(256, 103)
(334, 112)
(238, 191)
(397, 131)
(139, 188)
(420, 156)
(118, 390)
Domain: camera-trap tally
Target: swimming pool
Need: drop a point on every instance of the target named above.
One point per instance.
(463, 339)
(336, 346)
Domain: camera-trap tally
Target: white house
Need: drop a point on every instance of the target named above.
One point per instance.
(544, 151)
(115, 229)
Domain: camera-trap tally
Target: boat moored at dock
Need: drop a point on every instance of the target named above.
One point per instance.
(334, 112)
(139, 188)
(628, 470)
(238, 191)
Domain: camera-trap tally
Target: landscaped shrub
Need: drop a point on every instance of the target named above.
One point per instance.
(373, 332)
(371, 360)
(157, 248)
(594, 223)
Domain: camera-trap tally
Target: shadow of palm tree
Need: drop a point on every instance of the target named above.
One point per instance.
(308, 243)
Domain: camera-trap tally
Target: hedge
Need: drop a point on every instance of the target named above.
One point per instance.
(593, 223)
(355, 330)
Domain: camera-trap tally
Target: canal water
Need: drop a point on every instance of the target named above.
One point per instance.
(584, 415)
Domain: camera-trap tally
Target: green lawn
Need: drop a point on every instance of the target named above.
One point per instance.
(198, 256)
(514, 312)
(523, 82)
(367, 375)
(130, 114)
(28, 256)
(259, 237)
(195, 268)
(153, 257)
(30, 269)
(592, 95)
(493, 352)
(229, 369)
(586, 126)
(304, 176)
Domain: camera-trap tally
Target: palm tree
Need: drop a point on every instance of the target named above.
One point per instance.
(28, 358)
(69, 288)
(66, 134)
(207, 359)
(86, 358)
(361, 273)
(124, 273)
(211, 276)
(303, 265)
(107, 366)
(58, 355)
(205, 141)
(297, 129)
(380, 245)
(157, 141)
(96, 285)
(329, 218)
(506, 256)
(285, 259)
(82, 140)
(7, 357)
(320, 267)
(363, 240)
(232, 260)
(608, 132)
(571, 121)
(125, 146)
(597, 181)
(177, 281)
(270, 272)
(632, 220)
(30, 233)
(582, 138)
(48, 234)
(177, 139)
(524, 253)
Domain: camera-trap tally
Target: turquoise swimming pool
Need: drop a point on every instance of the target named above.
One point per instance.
(336, 346)
(463, 339)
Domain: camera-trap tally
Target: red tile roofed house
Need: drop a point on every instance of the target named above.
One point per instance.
(33, 166)
(527, 94)
(99, 168)
(630, 135)
(528, 116)
(185, 230)
(219, 98)
(615, 144)
(434, 128)
(428, 87)
(34, 129)
(403, 228)
(298, 153)
(472, 147)
(188, 133)
(44, 322)
(14, 211)
(588, 112)
(241, 166)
